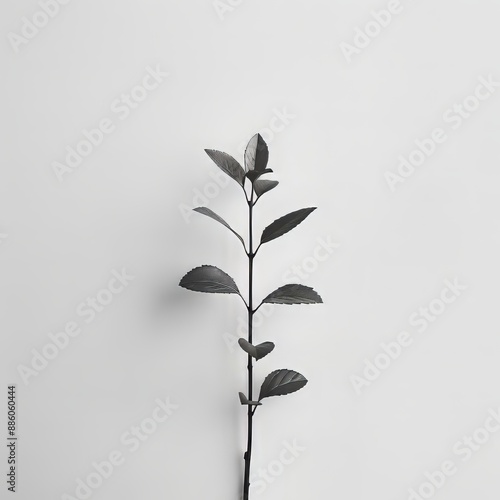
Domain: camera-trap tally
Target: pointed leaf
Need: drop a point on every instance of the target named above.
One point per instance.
(281, 382)
(284, 224)
(209, 279)
(256, 154)
(293, 294)
(209, 213)
(262, 186)
(228, 164)
(245, 401)
(253, 175)
(256, 351)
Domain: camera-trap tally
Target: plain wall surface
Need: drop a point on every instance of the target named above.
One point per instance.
(334, 127)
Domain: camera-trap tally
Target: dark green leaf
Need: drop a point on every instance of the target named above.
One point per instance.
(293, 294)
(228, 164)
(209, 279)
(209, 213)
(285, 224)
(244, 400)
(281, 382)
(256, 154)
(256, 351)
(262, 186)
(253, 175)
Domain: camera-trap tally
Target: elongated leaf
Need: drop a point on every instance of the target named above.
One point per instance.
(262, 186)
(284, 224)
(293, 294)
(253, 175)
(245, 401)
(256, 154)
(228, 164)
(256, 351)
(210, 213)
(281, 382)
(209, 279)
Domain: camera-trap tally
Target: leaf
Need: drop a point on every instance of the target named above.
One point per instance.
(253, 175)
(293, 294)
(284, 224)
(209, 279)
(244, 400)
(209, 213)
(228, 164)
(256, 154)
(281, 382)
(256, 351)
(262, 186)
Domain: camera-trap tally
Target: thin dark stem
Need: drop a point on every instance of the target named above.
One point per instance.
(245, 191)
(257, 308)
(244, 248)
(251, 255)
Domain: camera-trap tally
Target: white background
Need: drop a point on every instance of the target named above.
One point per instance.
(124, 207)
